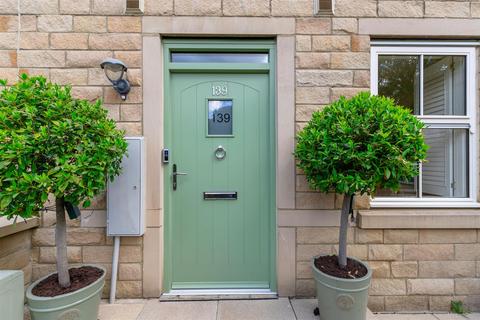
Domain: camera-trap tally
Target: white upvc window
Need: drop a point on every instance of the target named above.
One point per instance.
(437, 82)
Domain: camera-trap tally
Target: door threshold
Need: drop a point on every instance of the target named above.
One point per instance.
(218, 294)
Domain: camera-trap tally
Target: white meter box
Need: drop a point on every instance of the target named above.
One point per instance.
(126, 194)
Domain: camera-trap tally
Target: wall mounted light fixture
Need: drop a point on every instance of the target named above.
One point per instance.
(115, 71)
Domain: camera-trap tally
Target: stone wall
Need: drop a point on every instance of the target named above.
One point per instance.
(66, 40)
(16, 253)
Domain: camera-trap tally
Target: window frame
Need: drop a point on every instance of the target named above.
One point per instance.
(469, 121)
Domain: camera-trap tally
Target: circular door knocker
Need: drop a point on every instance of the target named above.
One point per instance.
(220, 153)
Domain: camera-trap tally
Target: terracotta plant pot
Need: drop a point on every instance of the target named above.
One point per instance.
(342, 299)
(79, 305)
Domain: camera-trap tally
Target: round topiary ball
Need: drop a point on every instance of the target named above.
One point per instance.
(359, 145)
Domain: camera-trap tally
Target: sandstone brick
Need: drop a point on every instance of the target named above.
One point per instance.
(430, 286)
(55, 23)
(87, 93)
(302, 184)
(86, 58)
(133, 129)
(322, 78)
(360, 43)
(467, 251)
(41, 270)
(313, 26)
(124, 24)
(198, 8)
(361, 78)
(37, 72)
(368, 235)
(43, 237)
(314, 200)
(86, 236)
(303, 43)
(133, 59)
(69, 76)
(113, 111)
(320, 235)
(292, 8)
(304, 270)
(406, 303)
(305, 288)
(38, 6)
(401, 236)
(452, 9)
(361, 202)
(129, 289)
(344, 25)
(387, 287)
(74, 6)
(8, 58)
(358, 8)
(350, 60)
(345, 92)
(376, 303)
(69, 40)
(246, 7)
(410, 9)
(446, 269)
(304, 112)
(404, 269)
(135, 77)
(357, 251)
(115, 41)
(9, 74)
(309, 95)
(305, 252)
(442, 303)
(312, 60)
(49, 255)
(34, 40)
(475, 9)
(467, 286)
(380, 269)
(8, 6)
(15, 242)
(89, 24)
(331, 43)
(7, 23)
(96, 77)
(158, 7)
(448, 236)
(129, 271)
(8, 40)
(131, 112)
(110, 7)
(428, 252)
(387, 252)
(103, 254)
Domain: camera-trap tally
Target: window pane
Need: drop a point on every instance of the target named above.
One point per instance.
(444, 85)
(408, 189)
(203, 57)
(399, 78)
(445, 174)
(220, 117)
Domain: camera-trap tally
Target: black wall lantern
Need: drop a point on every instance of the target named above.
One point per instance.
(115, 71)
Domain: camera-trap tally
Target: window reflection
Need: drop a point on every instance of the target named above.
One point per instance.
(226, 57)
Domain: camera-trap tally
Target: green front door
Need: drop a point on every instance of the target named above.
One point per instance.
(220, 181)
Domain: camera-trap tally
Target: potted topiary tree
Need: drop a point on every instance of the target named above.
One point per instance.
(355, 146)
(53, 144)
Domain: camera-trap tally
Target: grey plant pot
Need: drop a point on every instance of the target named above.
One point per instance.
(79, 305)
(342, 299)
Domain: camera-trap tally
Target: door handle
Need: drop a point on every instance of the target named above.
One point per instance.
(175, 174)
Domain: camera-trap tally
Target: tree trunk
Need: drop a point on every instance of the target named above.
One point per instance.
(61, 244)
(342, 246)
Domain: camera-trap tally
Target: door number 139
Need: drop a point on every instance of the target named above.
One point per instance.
(219, 90)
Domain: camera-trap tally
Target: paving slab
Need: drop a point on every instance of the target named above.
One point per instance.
(278, 309)
(179, 310)
(397, 316)
(450, 316)
(303, 308)
(122, 311)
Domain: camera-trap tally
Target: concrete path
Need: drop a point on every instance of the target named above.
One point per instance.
(275, 309)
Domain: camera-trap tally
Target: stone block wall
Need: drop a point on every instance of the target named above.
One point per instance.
(413, 269)
(16, 253)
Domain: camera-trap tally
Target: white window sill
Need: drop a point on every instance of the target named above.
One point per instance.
(8, 227)
(453, 218)
(437, 203)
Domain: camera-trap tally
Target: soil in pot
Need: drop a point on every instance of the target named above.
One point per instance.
(79, 278)
(329, 265)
